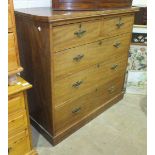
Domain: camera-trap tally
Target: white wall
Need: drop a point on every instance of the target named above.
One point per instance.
(47, 3)
(31, 3)
(139, 2)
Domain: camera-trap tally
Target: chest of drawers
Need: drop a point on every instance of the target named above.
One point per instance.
(76, 62)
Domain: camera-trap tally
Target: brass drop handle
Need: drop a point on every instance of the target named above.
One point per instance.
(80, 33)
(76, 110)
(114, 66)
(111, 89)
(117, 45)
(77, 84)
(119, 24)
(9, 149)
(78, 57)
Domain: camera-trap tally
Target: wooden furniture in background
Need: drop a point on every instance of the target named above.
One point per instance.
(141, 16)
(13, 54)
(89, 4)
(76, 62)
(19, 133)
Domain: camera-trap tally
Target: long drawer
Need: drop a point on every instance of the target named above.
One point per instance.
(17, 121)
(84, 81)
(116, 25)
(12, 54)
(75, 59)
(71, 35)
(19, 144)
(16, 103)
(71, 112)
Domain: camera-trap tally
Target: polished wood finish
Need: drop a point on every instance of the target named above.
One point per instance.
(69, 35)
(89, 78)
(69, 113)
(73, 61)
(13, 55)
(19, 134)
(89, 4)
(84, 56)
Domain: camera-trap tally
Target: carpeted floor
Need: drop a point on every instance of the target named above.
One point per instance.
(120, 130)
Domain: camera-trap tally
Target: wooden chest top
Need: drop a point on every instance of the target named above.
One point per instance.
(48, 15)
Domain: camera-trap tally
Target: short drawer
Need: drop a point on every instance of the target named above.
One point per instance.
(71, 35)
(84, 81)
(12, 54)
(19, 144)
(16, 122)
(73, 111)
(117, 25)
(78, 58)
(16, 103)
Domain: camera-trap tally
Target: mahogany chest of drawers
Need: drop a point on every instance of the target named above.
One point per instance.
(76, 62)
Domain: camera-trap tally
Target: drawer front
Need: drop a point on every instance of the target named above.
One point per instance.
(75, 59)
(16, 103)
(117, 25)
(19, 144)
(71, 112)
(17, 121)
(10, 22)
(84, 81)
(71, 35)
(12, 55)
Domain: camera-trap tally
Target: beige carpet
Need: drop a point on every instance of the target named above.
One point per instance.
(120, 130)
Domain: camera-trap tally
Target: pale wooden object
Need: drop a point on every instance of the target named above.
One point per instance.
(19, 133)
(13, 54)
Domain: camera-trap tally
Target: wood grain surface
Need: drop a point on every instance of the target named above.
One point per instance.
(73, 60)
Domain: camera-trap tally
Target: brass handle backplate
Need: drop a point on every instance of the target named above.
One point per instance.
(117, 45)
(78, 57)
(114, 66)
(80, 33)
(111, 89)
(77, 84)
(76, 110)
(120, 23)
